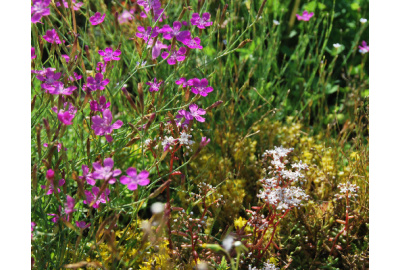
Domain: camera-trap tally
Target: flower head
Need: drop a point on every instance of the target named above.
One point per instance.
(149, 4)
(156, 51)
(51, 36)
(69, 205)
(169, 33)
(193, 43)
(133, 179)
(97, 83)
(337, 45)
(50, 190)
(67, 114)
(201, 22)
(97, 18)
(39, 9)
(99, 106)
(363, 20)
(103, 126)
(105, 173)
(108, 54)
(48, 77)
(200, 87)
(33, 55)
(91, 197)
(154, 86)
(58, 89)
(184, 82)
(125, 16)
(75, 5)
(364, 48)
(86, 176)
(305, 17)
(147, 33)
(174, 55)
(82, 224)
(194, 112)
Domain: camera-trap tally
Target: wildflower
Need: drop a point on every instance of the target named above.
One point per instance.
(67, 114)
(156, 51)
(149, 4)
(157, 208)
(133, 179)
(154, 86)
(305, 17)
(106, 173)
(51, 36)
(193, 43)
(167, 142)
(33, 55)
(194, 112)
(74, 77)
(173, 55)
(184, 82)
(59, 146)
(101, 67)
(82, 224)
(50, 190)
(363, 20)
(275, 22)
(200, 87)
(184, 139)
(201, 22)
(99, 106)
(169, 33)
(58, 89)
(97, 18)
(364, 48)
(103, 126)
(69, 205)
(91, 197)
(86, 176)
(204, 141)
(48, 77)
(125, 16)
(348, 190)
(159, 15)
(147, 33)
(76, 6)
(56, 217)
(227, 243)
(39, 9)
(97, 83)
(337, 45)
(108, 54)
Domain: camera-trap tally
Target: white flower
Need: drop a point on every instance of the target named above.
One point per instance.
(185, 139)
(362, 20)
(276, 22)
(337, 45)
(227, 243)
(167, 142)
(147, 142)
(157, 208)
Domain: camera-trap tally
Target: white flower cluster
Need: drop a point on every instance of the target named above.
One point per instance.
(349, 189)
(168, 142)
(185, 139)
(267, 266)
(279, 190)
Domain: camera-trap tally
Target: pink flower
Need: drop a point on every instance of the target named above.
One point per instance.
(49, 77)
(147, 33)
(69, 205)
(33, 55)
(74, 77)
(91, 197)
(86, 176)
(99, 106)
(133, 179)
(194, 112)
(174, 56)
(67, 114)
(56, 217)
(204, 141)
(184, 82)
(59, 145)
(156, 48)
(105, 173)
(82, 224)
(58, 89)
(154, 86)
(200, 87)
(101, 67)
(201, 22)
(364, 48)
(103, 126)
(39, 9)
(52, 37)
(125, 16)
(66, 57)
(108, 54)
(193, 43)
(61, 182)
(74, 4)
(97, 18)
(170, 33)
(305, 17)
(97, 83)
(149, 4)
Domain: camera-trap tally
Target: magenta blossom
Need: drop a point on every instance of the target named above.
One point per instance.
(91, 197)
(74, 77)
(133, 179)
(39, 9)
(149, 4)
(59, 146)
(50, 190)
(193, 43)
(204, 141)
(67, 114)
(33, 55)
(99, 106)
(97, 18)
(67, 58)
(56, 217)
(305, 17)
(201, 22)
(174, 56)
(82, 224)
(74, 4)
(103, 126)
(147, 33)
(69, 205)
(184, 82)
(125, 16)
(86, 176)
(200, 87)
(105, 173)
(194, 112)
(364, 48)
(97, 83)
(156, 48)
(48, 77)
(52, 37)
(154, 86)
(101, 67)
(58, 89)
(108, 54)
(170, 33)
